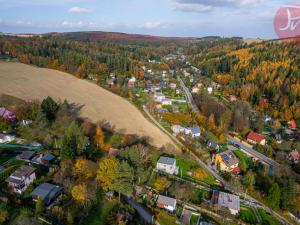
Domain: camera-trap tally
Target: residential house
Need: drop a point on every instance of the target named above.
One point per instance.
(227, 161)
(177, 129)
(193, 131)
(111, 82)
(46, 192)
(255, 138)
(166, 101)
(167, 165)
(213, 145)
(166, 203)
(232, 98)
(131, 82)
(226, 200)
(47, 159)
(292, 124)
(159, 97)
(195, 90)
(114, 152)
(7, 115)
(145, 215)
(6, 138)
(172, 85)
(209, 90)
(21, 179)
(26, 155)
(294, 156)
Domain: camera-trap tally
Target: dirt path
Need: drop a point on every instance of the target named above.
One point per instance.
(29, 83)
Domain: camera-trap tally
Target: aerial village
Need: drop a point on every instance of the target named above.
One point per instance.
(199, 187)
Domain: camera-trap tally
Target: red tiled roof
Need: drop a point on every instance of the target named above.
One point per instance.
(294, 154)
(255, 137)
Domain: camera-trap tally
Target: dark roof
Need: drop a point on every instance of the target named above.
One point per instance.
(166, 160)
(48, 157)
(47, 192)
(23, 171)
(212, 144)
(26, 155)
(144, 214)
(1, 168)
(229, 158)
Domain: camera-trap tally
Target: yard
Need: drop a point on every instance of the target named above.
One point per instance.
(187, 165)
(243, 157)
(267, 219)
(247, 215)
(165, 218)
(100, 212)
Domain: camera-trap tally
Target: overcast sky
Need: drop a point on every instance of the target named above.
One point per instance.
(246, 18)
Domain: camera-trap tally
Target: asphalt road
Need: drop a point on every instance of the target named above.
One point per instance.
(252, 152)
(189, 96)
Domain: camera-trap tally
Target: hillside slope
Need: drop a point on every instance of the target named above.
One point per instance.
(29, 83)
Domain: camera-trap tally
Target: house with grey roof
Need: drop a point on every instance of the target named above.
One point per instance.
(47, 192)
(226, 200)
(167, 165)
(167, 203)
(19, 180)
(26, 155)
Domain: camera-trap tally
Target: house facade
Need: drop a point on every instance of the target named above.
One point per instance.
(21, 179)
(167, 165)
(166, 203)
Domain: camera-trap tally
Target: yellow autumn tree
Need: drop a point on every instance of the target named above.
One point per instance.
(80, 194)
(85, 169)
(161, 183)
(106, 171)
(99, 139)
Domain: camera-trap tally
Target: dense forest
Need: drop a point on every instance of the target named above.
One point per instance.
(265, 74)
(84, 58)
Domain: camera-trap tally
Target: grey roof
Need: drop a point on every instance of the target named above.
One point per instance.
(23, 171)
(226, 200)
(194, 130)
(146, 216)
(47, 192)
(26, 155)
(48, 157)
(166, 160)
(166, 200)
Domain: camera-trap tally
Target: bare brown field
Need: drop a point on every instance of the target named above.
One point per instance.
(31, 83)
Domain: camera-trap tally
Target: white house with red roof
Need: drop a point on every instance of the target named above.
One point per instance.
(255, 138)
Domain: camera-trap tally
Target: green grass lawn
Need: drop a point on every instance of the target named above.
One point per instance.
(187, 165)
(243, 157)
(194, 219)
(165, 218)
(267, 219)
(247, 215)
(98, 215)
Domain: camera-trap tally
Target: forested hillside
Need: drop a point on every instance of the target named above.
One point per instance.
(83, 58)
(265, 74)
